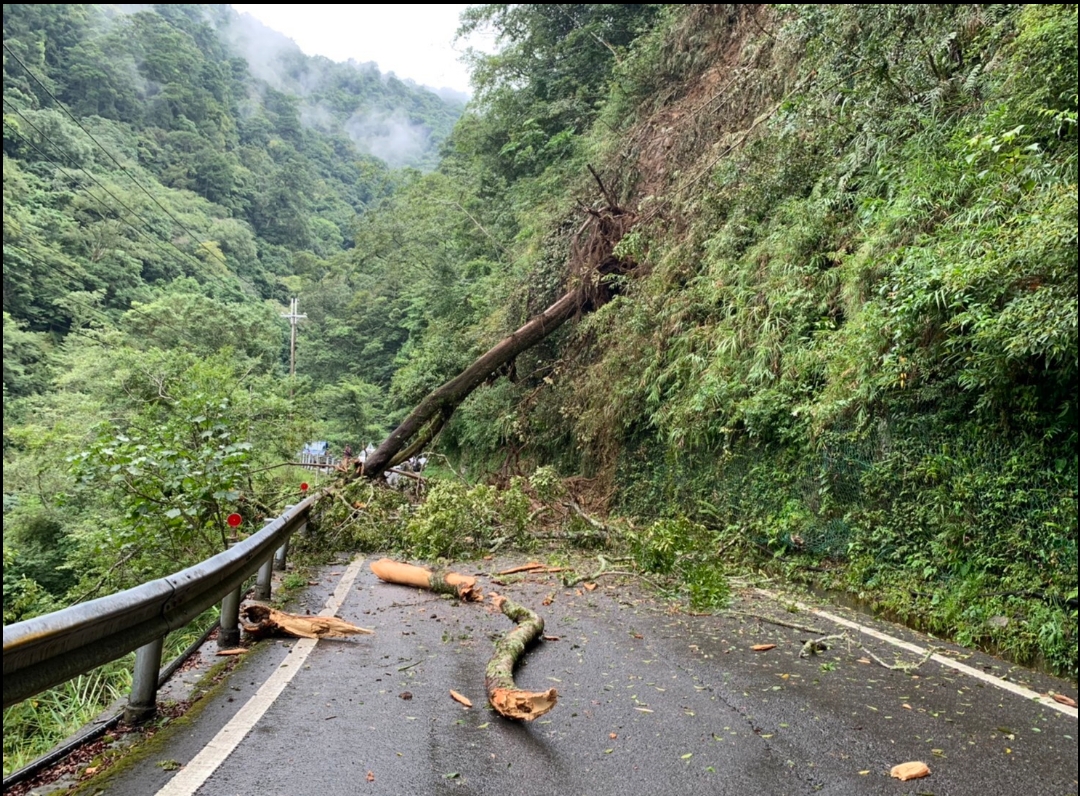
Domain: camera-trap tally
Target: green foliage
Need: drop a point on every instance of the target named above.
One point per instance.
(684, 548)
(456, 521)
(545, 84)
(24, 597)
(547, 484)
(367, 517)
(25, 368)
(176, 486)
(33, 726)
(355, 409)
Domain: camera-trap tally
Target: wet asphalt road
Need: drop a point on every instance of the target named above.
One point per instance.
(651, 701)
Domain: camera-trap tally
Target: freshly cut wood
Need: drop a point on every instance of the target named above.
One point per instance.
(912, 770)
(460, 698)
(443, 582)
(232, 651)
(262, 620)
(503, 693)
(763, 647)
(532, 565)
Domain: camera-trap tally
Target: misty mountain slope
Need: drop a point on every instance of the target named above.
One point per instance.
(396, 121)
(286, 149)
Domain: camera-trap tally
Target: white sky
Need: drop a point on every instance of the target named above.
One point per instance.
(414, 41)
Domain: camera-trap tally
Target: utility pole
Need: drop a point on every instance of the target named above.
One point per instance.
(293, 317)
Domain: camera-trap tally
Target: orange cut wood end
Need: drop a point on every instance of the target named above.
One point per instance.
(523, 705)
(461, 698)
(913, 770)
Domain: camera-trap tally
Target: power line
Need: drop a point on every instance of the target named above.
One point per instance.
(157, 242)
(107, 152)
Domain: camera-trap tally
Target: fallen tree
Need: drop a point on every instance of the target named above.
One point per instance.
(592, 258)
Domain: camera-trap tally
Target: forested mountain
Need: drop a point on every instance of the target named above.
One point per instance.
(171, 174)
(834, 332)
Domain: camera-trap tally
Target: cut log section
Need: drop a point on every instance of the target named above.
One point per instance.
(261, 620)
(461, 586)
(505, 696)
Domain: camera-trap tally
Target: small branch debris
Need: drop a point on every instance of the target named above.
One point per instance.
(603, 572)
(464, 700)
(530, 567)
(780, 622)
(814, 646)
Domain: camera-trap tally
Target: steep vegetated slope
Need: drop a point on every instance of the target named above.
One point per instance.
(849, 344)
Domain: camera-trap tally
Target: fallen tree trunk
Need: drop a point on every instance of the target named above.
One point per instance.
(437, 407)
(261, 620)
(503, 693)
(592, 257)
(461, 586)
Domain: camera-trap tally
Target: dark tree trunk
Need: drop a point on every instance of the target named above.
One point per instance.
(437, 407)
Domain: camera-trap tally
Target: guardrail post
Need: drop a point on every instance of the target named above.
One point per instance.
(142, 704)
(282, 552)
(262, 581)
(229, 623)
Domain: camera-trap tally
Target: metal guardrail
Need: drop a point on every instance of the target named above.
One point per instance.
(48, 650)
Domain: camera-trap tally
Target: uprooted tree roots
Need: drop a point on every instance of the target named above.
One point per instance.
(503, 693)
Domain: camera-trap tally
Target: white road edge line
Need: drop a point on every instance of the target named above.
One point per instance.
(1019, 690)
(191, 777)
